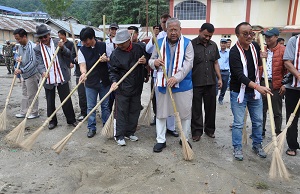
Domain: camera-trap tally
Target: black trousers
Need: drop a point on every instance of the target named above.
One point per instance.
(82, 98)
(276, 106)
(63, 92)
(208, 95)
(154, 98)
(291, 100)
(127, 111)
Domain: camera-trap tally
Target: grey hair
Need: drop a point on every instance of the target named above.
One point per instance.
(173, 20)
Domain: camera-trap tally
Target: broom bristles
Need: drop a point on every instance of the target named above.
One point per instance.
(188, 153)
(108, 129)
(3, 118)
(145, 118)
(28, 143)
(60, 145)
(17, 134)
(269, 147)
(277, 166)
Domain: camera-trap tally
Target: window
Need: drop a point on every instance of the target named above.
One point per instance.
(190, 10)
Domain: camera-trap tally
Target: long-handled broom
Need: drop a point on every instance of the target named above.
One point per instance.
(73, 37)
(28, 143)
(61, 144)
(108, 129)
(245, 138)
(281, 137)
(188, 153)
(3, 116)
(145, 118)
(277, 166)
(17, 134)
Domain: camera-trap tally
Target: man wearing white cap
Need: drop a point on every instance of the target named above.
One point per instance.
(128, 94)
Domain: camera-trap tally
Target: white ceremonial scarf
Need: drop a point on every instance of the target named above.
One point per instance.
(241, 95)
(178, 60)
(55, 75)
(296, 82)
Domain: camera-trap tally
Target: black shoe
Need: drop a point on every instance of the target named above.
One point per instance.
(142, 107)
(180, 143)
(51, 126)
(159, 147)
(174, 133)
(263, 134)
(74, 124)
(8, 73)
(91, 133)
(153, 122)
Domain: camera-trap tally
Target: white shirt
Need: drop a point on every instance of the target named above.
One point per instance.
(150, 45)
(269, 64)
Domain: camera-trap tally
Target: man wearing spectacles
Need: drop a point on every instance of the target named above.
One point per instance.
(149, 49)
(276, 71)
(246, 90)
(58, 76)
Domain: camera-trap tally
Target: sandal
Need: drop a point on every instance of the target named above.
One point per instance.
(291, 152)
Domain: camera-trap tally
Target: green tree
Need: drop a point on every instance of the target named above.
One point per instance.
(57, 8)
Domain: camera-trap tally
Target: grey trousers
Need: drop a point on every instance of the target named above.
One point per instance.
(29, 90)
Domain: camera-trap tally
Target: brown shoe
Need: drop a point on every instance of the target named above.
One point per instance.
(196, 138)
(211, 135)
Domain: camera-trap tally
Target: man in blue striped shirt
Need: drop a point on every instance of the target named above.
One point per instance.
(29, 73)
(224, 68)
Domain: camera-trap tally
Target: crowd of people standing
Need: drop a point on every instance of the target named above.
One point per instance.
(196, 70)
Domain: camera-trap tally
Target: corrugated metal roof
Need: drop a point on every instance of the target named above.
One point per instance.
(76, 27)
(10, 9)
(10, 24)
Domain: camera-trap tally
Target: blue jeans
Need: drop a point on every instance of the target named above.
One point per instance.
(255, 108)
(91, 98)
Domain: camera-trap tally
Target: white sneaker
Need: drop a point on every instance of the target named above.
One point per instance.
(121, 142)
(33, 116)
(19, 115)
(132, 138)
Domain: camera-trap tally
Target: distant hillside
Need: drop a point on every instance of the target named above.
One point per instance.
(88, 11)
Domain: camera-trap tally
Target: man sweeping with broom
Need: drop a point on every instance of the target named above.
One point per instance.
(58, 76)
(177, 57)
(128, 95)
(244, 60)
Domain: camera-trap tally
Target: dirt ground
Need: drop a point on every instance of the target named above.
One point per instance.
(98, 165)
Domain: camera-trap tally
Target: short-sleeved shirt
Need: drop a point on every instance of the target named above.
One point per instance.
(224, 60)
(236, 68)
(289, 54)
(204, 63)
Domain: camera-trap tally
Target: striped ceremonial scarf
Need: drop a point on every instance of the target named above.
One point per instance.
(55, 75)
(296, 82)
(178, 60)
(241, 95)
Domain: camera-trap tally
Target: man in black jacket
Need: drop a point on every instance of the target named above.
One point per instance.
(128, 94)
(97, 83)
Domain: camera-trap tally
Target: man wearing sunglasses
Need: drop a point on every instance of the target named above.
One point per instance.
(245, 89)
(58, 76)
(276, 71)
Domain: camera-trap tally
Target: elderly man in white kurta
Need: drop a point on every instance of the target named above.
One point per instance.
(177, 57)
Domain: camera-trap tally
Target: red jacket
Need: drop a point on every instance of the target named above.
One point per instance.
(278, 68)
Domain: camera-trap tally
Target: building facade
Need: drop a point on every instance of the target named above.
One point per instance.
(226, 14)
